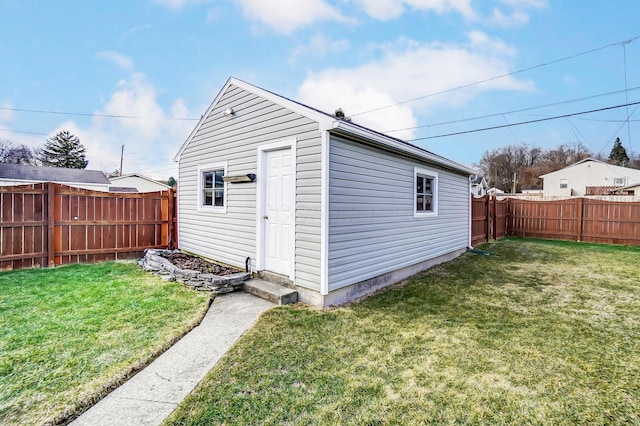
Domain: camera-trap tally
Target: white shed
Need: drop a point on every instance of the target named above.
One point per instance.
(140, 182)
(337, 209)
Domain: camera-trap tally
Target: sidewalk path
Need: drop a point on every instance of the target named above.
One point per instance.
(151, 395)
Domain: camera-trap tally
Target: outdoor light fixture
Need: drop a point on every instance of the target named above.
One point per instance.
(250, 177)
(229, 112)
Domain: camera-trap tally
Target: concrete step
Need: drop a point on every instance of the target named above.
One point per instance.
(272, 277)
(271, 292)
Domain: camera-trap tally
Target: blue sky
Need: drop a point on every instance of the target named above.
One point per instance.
(164, 61)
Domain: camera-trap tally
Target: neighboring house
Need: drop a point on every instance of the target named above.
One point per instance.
(17, 174)
(479, 186)
(532, 189)
(573, 180)
(139, 182)
(633, 190)
(495, 191)
(338, 209)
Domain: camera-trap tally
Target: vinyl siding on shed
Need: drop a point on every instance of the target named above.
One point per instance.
(231, 237)
(372, 228)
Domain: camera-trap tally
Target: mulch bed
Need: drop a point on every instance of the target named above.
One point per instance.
(195, 263)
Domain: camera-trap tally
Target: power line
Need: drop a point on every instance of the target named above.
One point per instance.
(84, 114)
(523, 122)
(462, 120)
(464, 86)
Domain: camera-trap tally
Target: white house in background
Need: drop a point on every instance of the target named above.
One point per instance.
(532, 189)
(337, 209)
(479, 186)
(139, 182)
(573, 180)
(18, 174)
(495, 191)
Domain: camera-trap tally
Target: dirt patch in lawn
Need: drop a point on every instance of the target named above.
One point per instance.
(196, 263)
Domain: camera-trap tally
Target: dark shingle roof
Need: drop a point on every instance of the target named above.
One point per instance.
(51, 174)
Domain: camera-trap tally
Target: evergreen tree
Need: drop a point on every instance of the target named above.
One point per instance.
(172, 181)
(63, 150)
(618, 154)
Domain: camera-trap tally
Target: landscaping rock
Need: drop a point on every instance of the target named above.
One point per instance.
(154, 262)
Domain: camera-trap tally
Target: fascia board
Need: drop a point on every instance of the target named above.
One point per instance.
(345, 127)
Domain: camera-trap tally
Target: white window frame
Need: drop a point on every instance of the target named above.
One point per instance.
(202, 169)
(564, 182)
(430, 174)
(622, 181)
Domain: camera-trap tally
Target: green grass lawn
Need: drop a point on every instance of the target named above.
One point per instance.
(70, 333)
(539, 332)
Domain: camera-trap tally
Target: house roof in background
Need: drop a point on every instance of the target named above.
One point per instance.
(51, 174)
(619, 169)
(127, 189)
(116, 179)
(477, 179)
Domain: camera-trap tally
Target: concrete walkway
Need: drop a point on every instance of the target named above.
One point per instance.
(151, 395)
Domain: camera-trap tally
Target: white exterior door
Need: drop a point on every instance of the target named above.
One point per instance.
(278, 216)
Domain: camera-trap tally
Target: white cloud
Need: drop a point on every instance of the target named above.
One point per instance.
(319, 46)
(136, 98)
(515, 19)
(408, 70)
(135, 29)
(329, 94)
(179, 4)
(151, 136)
(518, 4)
(122, 61)
(518, 15)
(289, 15)
(385, 10)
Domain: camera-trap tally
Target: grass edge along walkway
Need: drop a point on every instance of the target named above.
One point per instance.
(71, 334)
(540, 332)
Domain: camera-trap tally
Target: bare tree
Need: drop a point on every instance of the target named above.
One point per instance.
(526, 164)
(16, 154)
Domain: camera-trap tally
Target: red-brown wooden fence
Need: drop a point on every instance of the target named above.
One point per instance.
(488, 219)
(575, 219)
(51, 224)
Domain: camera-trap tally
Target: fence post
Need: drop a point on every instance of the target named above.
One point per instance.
(487, 219)
(171, 231)
(51, 224)
(579, 224)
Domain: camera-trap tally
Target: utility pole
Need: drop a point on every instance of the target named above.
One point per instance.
(513, 191)
(121, 158)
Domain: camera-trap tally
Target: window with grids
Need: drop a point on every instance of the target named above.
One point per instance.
(619, 181)
(213, 188)
(426, 187)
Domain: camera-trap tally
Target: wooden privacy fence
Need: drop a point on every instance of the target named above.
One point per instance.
(51, 224)
(488, 219)
(576, 219)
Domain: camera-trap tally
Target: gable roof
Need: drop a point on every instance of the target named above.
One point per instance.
(479, 180)
(586, 160)
(329, 123)
(52, 174)
(137, 175)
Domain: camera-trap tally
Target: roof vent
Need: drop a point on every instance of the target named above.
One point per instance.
(339, 113)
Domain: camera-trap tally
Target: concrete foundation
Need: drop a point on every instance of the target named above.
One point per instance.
(363, 288)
